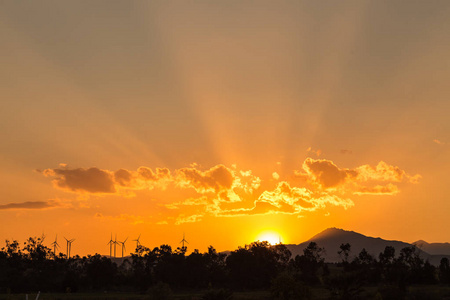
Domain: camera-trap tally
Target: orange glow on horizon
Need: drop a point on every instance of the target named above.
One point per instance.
(272, 237)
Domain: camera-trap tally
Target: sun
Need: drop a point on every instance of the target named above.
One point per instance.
(270, 236)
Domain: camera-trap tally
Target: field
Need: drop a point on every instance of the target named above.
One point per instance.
(430, 292)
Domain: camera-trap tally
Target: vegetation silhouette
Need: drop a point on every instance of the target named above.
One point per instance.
(259, 265)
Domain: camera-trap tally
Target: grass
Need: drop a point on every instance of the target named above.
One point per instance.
(250, 295)
(319, 293)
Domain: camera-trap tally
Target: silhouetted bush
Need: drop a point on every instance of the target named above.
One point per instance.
(255, 265)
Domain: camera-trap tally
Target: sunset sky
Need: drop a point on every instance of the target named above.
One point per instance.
(223, 120)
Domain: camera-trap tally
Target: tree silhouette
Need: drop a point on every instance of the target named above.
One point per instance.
(310, 262)
(444, 271)
(344, 252)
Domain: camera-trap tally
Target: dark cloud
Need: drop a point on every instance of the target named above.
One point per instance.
(31, 205)
(123, 177)
(346, 151)
(92, 180)
(325, 173)
(216, 179)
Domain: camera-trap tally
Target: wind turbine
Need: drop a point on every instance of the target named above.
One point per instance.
(115, 243)
(69, 246)
(137, 241)
(183, 241)
(123, 245)
(55, 245)
(110, 243)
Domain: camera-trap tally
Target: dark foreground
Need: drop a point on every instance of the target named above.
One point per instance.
(256, 271)
(429, 292)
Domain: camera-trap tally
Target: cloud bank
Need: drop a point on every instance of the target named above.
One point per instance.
(222, 191)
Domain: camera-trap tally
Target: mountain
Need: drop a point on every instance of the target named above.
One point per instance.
(331, 238)
(433, 248)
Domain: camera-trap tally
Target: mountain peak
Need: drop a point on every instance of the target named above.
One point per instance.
(420, 243)
(333, 232)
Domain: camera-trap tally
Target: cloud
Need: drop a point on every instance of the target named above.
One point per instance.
(384, 172)
(188, 219)
(439, 142)
(132, 219)
(32, 205)
(317, 152)
(324, 174)
(285, 199)
(92, 180)
(143, 178)
(388, 189)
(346, 151)
(221, 191)
(216, 179)
(97, 181)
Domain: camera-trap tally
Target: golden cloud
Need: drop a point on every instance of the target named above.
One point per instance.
(221, 191)
(389, 189)
(324, 174)
(439, 142)
(132, 219)
(285, 199)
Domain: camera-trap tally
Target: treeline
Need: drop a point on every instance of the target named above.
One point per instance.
(34, 267)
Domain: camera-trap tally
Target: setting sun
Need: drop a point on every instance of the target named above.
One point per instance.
(270, 236)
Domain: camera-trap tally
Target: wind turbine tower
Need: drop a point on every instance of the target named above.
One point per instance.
(115, 244)
(110, 243)
(69, 246)
(123, 245)
(137, 241)
(183, 241)
(55, 245)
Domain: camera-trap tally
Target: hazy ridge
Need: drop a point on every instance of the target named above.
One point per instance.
(332, 238)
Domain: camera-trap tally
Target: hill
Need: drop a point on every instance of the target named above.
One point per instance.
(332, 238)
(433, 248)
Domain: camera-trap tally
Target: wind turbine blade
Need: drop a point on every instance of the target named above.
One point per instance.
(125, 240)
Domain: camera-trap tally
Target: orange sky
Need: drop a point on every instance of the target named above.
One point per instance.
(223, 120)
